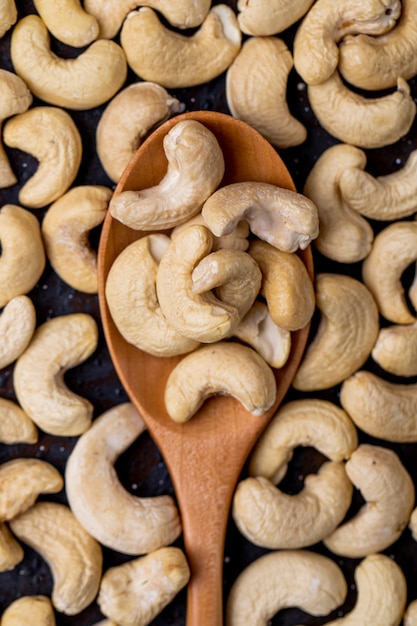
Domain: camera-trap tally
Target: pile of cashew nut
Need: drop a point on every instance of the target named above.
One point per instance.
(353, 400)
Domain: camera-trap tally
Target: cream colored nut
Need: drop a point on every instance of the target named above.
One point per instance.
(68, 22)
(195, 167)
(15, 98)
(259, 18)
(135, 593)
(393, 250)
(376, 62)
(22, 481)
(113, 516)
(35, 609)
(410, 615)
(8, 15)
(237, 240)
(59, 344)
(283, 579)
(380, 408)
(390, 197)
(283, 218)
(84, 82)
(127, 119)
(413, 524)
(256, 91)
(346, 333)
(11, 552)
(65, 229)
(204, 317)
(158, 54)
(15, 425)
(305, 422)
(395, 349)
(49, 135)
(133, 302)
(222, 368)
(388, 491)
(286, 286)
(359, 120)
(344, 235)
(17, 325)
(316, 52)
(259, 330)
(22, 258)
(74, 557)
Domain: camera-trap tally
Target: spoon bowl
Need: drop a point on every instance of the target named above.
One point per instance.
(206, 455)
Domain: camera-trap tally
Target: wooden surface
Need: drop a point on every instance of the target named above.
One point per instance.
(204, 456)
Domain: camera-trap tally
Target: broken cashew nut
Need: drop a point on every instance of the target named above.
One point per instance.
(17, 325)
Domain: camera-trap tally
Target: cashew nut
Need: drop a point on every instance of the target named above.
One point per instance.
(83, 82)
(413, 524)
(68, 22)
(117, 519)
(237, 240)
(35, 609)
(22, 259)
(388, 491)
(75, 558)
(283, 218)
(221, 368)
(259, 18)
(65, 229)
(395, 349)
(11, 552)
(136, 592)
(410, 615)
(17, 325)
(59, 344)
(8, 15)
(185, 61)
(346, 333)
(282, 579)
(50, 135)
(15, 98)
(15, 425)
(344, 236)
(359, 120)
(256, 88)
(194, 170)
(128, 117)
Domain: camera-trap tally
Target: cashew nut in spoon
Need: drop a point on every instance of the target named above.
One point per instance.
(344, 236)
(316, 52)
(59, 344)
(11, 552)
(410, 615)
(22, 259)
(126, 120)
(74, 557)
(36, 609)
(186, 61)
(262, 19)
(388, 491)
(65, 229)
(51, 136)
(256, 91)
(347, 330)
(282, 579)
(137, 591)
(395, 349)
(8, 15)
(195, 168)
(84, 82)
(237, 240)
(114, 517)
(283, 218)
(17, 325)
(15, 425)
(359, 120)
(224, 367)
(68, 22)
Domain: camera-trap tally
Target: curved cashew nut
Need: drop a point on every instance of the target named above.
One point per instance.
(224, 367)
(237, 240)
(131, 525)
(75, 558)
(50, 135)
(361, 121)
(194, 170)
(36, 609)
(128, 117)
(187, 60)
(17, 325)
(283, 218)
(389, 495)
(68, 22)
(15, 425)
(346, 333)
(256, 88)
(395, 349)
(410, 615)
(11, 552)
(137, 591)
(65, 229)
(58, 344)
(287, 578)
(258, 18)
(22, 259)
(8, 15)
(306, 422)
(344, 236)
(85, 82)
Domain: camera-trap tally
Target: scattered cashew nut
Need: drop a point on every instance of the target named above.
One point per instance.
(68, 22)
(11, 552)
(35, 609)
(259, 18)
(8, 15)
(410, 615)
(17, 325)
(395, 349)
(15, 425)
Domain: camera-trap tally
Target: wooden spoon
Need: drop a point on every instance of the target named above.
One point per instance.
(204, 456)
